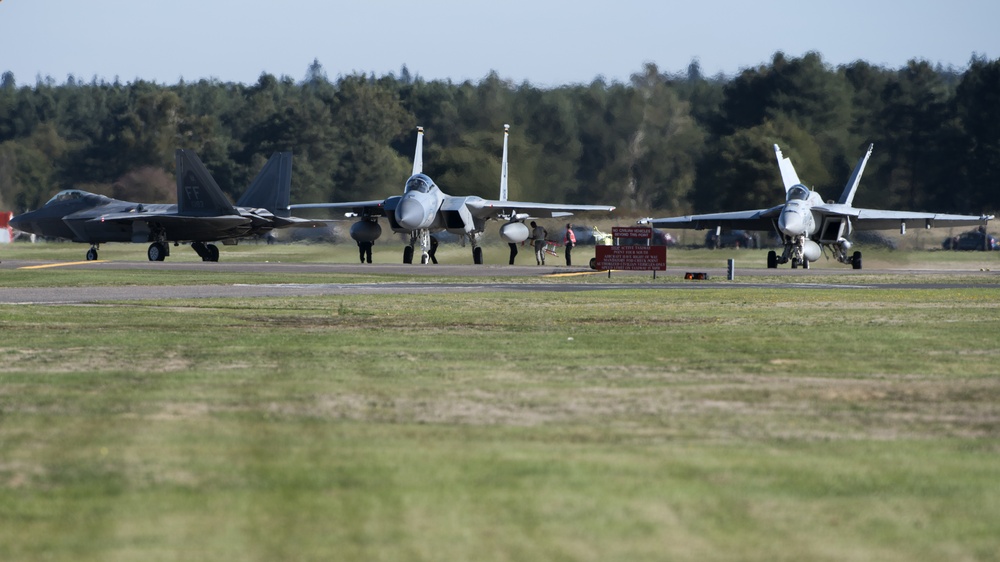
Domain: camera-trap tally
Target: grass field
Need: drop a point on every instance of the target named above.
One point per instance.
(710, 424)
(494, 253)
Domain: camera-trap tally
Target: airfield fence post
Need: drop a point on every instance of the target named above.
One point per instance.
(731, 269)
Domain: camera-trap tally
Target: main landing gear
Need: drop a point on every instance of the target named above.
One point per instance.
(207, 252)
(477, 250)
(773, 260)
(158, 251)
(423, 239)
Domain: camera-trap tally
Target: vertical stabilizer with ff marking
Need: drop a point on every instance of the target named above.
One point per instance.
(197, 192)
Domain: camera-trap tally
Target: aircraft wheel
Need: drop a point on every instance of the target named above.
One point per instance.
(424, 259)
(593, 263)
(805, 264)
(408, 254)
(477, 255)
(199, 248)
(772, 260)
(91, 254)
(157, 251)
(856, 260)
(795, 263)
(213, 252)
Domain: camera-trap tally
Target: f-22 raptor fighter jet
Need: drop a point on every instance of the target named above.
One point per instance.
(202, 214)
(807, 224)
(423, 208)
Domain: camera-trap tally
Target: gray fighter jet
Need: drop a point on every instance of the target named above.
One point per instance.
(807, 224)
(202, 214)
(424, 208)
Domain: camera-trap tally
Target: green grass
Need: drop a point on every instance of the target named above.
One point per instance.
(626, 425)
(390, 250)
(954, 266)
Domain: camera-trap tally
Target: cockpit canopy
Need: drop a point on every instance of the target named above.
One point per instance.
(797, 193)
(77, 198)
(418, 182)
(66, 195)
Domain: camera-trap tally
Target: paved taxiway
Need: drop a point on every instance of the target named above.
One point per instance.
(523, 278)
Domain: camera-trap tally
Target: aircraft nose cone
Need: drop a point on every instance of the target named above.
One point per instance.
(791, 224)
(410, 214)
(18, 223)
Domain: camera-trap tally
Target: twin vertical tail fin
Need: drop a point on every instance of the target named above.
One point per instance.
(197, 192)
(272, 187)
(418, 155)
(788, 175)
(503, 165)
(847, 198)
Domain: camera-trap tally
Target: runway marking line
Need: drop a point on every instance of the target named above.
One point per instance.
(574, 274)
(48, 265)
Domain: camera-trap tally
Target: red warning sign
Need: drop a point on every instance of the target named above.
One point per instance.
(631, 258)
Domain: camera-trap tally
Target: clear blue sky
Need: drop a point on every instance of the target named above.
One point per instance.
(548, 43)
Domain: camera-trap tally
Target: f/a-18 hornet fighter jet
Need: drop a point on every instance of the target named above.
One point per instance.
(807, 224)
(423, 208)
(202, 214)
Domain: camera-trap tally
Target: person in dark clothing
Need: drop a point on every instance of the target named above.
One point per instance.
(538, 235)
(513, 251)
(433, 250)
(365, 250)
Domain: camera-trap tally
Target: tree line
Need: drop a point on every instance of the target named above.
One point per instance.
(664, 143)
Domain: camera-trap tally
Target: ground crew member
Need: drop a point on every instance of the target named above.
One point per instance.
(569, 240)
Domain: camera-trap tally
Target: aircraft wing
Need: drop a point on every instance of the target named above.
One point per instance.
(222, 222)
(495, 209)
(758, 219)
(296, 222)
(374, 208)
(877, 219)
